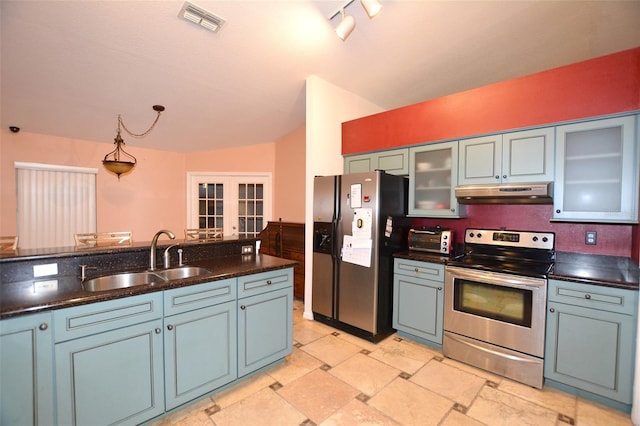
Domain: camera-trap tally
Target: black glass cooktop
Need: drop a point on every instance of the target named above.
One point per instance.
(524, 262)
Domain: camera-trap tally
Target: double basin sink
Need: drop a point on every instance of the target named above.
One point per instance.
(132, 279)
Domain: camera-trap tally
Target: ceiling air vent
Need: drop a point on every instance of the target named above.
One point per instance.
(201, 17)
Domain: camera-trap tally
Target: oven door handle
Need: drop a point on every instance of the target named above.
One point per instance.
(506, 280)
(491, 351)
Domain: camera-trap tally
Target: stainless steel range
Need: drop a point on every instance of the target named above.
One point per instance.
(495, 302)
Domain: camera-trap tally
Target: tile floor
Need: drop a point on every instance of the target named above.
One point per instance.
(333, 378)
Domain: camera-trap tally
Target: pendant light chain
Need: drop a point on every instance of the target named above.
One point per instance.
(141, 135)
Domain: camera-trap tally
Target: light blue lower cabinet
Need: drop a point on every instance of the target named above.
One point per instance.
(26, 370)
(418, 300)
(113, 377)
(590, 342)
(265, 329)
(200, 352)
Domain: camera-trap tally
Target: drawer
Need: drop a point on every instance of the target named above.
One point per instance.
(198, 296)
(592, 296)
(79, 321)
(413, 268)
(250, 285)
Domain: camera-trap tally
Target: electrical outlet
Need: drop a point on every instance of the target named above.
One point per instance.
(45, 270)
(247, 249)
(590, 238)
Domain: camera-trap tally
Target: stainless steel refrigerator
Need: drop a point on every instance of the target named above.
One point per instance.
(359, 222)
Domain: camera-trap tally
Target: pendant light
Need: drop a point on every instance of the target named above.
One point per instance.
(120, 161)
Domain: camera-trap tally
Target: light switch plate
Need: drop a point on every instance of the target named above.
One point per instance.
(591, 238)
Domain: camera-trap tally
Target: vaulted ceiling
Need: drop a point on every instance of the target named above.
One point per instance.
(68, 68)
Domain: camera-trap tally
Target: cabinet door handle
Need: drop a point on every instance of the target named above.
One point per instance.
(243, 307)
(497, 176)
(158, 330)
(552, 310)
(416, 270)
(170, 327)
(439, 288)
(558, 211)
(587, 296)
(504, 176)
(43, 326)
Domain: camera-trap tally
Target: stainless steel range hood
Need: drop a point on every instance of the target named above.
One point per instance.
(506, 193)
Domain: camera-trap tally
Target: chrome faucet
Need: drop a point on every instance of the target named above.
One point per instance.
(154, 244)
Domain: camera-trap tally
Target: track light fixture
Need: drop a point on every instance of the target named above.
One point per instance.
(346, 26)
(348, 22)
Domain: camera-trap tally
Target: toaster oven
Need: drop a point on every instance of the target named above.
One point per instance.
(432, 240)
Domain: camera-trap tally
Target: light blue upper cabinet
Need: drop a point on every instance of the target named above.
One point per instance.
(516, 157)
(597, 171)
(433, 176)
(395, 162)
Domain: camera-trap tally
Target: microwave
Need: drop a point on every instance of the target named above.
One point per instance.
(433, 240)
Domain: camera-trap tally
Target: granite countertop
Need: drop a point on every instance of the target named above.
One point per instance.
(609, 271)
(24, 297)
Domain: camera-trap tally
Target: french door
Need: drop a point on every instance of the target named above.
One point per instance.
(240, 204)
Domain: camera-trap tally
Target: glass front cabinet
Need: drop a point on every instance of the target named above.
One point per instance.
(597, 171)
(433, 176)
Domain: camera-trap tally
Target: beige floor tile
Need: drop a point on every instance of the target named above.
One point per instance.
(296, 365)
(497, 408)
(448, 381)
(364, 373)
(404, 355)
(410, 404)
(550, 398)
(592, 414)
(243, 389)
(473, 370)
(197, 419)
(358, 413)
(359, 342)
(456, 418)
(192, 414)
(331, 350)
(318, 395)
(307, 331)
(262, 408)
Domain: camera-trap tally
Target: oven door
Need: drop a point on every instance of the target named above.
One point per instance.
(500, 309)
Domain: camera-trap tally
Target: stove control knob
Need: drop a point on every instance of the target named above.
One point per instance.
(545, 239)
(535, 238)
(471, 234)
(479, 235)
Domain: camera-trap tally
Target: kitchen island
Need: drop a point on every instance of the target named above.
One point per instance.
(129, 355)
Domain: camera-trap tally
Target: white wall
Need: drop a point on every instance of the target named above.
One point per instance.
(328, 106)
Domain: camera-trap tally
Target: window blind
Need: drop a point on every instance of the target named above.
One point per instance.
(53, 203)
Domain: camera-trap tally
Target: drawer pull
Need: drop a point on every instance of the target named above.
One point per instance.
(43, 326)
(158, 330)
(170, 327)
(268, 282)
(416, 270)
(587, 296)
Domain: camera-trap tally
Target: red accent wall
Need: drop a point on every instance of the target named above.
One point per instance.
(600, 86)
(613, 239)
